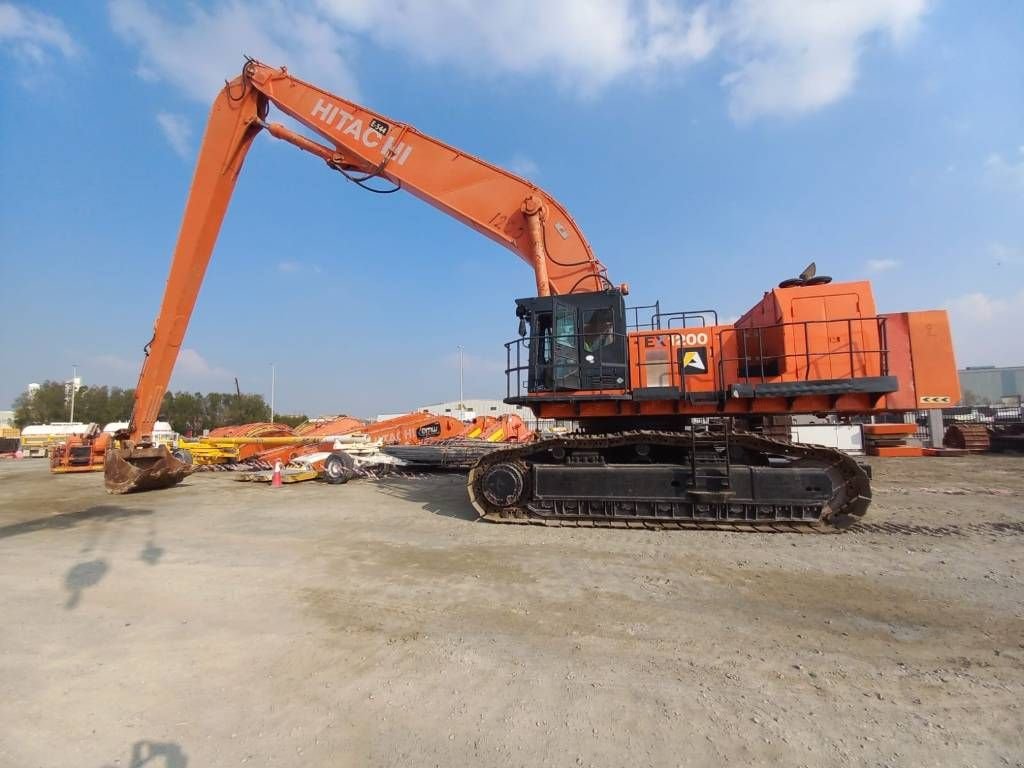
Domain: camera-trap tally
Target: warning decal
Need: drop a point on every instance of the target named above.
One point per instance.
(694, 359)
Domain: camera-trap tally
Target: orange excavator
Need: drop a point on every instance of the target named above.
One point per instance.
(80, 453)
(666, 402)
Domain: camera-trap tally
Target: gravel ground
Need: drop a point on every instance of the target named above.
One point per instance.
(378, 624)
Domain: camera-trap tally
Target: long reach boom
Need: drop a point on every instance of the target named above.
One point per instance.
(364, 146)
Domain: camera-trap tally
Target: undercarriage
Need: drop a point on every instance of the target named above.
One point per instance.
(659, 479)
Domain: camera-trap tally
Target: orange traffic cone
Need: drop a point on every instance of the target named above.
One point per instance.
(276, 481)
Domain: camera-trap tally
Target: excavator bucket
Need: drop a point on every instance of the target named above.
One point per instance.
(127, 470)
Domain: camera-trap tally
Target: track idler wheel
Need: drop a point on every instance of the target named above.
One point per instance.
(504, 485)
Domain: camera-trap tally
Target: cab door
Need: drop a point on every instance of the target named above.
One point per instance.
(566, 347)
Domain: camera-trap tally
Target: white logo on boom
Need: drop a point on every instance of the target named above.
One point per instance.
(338, 118)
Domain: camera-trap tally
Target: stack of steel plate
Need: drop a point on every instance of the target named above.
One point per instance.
(446, 454)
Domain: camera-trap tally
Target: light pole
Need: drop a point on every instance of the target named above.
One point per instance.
(273, 386)
(74, 379)
(462, 405)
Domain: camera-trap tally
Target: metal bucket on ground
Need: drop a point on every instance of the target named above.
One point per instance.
(131, 469)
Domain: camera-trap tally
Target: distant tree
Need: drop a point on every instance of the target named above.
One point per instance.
(191, 413)
(292, 420)
(245, 409)
(120, 404)
(969, 398)
(91, 404)
(187, 412)
(23, 412)
(47, 404)
(215, 410)
(102, 405)
(96, 404)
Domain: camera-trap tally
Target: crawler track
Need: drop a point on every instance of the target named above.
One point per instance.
(842, 485)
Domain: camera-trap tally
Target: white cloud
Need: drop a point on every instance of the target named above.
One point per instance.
(113, 368)
(198, 52)
(790, 56)
(290, 267)
(786, 56)
(797, 56)
(178, 132)
(882, 265)
(1006, 170)
(583, 43)
(524, 166)
(984, 328)
(192, 365)
(32, 38)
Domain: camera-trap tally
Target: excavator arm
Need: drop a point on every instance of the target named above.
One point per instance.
(364, 146)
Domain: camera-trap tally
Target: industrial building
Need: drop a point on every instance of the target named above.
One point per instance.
(468, 409)
(472, 407)
(479, 407)
(991, 385)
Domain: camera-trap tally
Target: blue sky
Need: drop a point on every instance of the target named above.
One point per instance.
(706, 149)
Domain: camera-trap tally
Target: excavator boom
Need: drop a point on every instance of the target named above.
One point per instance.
(364, 146)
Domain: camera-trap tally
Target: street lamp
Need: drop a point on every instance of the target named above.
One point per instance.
(74, 380)
(273, 386)
(462, 404)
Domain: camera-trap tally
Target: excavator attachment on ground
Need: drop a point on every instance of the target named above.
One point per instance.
(151, 468)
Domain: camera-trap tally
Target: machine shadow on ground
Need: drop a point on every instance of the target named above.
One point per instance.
(80, 577)
(101, 512)
(441, 494)
(155, 754)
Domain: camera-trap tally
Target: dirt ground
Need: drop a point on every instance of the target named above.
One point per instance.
(378, 624)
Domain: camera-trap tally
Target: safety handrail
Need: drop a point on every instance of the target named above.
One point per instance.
(849, 348)
(565, 370)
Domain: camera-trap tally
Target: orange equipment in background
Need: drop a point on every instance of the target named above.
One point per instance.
(246, 451)
(475, 428)
(413, 428)
(507, 428)
(80, 453)
(408, 429)
(328, 427)
(255, 429)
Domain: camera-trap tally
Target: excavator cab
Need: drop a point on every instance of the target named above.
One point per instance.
(575, 342)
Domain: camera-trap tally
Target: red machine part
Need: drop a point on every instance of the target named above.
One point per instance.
(508, 428)
(339, 425)
(80, 453)
(413, 428)
(256, 429)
